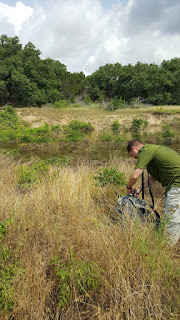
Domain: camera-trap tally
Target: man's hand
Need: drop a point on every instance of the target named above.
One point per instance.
(129, 189)
(133, 178)
(139, 189)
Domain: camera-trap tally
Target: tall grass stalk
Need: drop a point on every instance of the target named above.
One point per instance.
(64, 211)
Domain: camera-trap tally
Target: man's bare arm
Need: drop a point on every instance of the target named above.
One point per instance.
(133, 178)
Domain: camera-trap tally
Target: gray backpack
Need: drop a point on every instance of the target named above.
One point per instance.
(133, 207)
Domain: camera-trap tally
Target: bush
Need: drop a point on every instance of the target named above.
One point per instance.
(56, 128)
(28, 174)
(76, 130)
(8, 118)
(34, 135)
(110, 176)
(138, 124)
(60, 104)
(115, 127)
(7, 272)
(166, 131)
(75, 275)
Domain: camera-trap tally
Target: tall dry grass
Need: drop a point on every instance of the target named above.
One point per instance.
(66, 210)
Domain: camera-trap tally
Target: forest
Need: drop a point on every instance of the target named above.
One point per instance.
(28, 80)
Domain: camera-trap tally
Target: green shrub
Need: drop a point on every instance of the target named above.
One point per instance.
(110, 176)
(138, 124)
(28, 174)
(76, 130)
(12, 131)
(80, 126)
(75, 275)
(34, 135)
(56, 128)
(145, 123)
(117, 102)
(8, 135)
(7, 272)
(166, 131)
(115, 127)
(4, 227)
(8, 119)
(60, 104)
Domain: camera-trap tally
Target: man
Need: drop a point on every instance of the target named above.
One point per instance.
(163, 165)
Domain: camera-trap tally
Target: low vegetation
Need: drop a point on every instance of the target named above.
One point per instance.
(64, 251)
(12, 131)
(64, 257)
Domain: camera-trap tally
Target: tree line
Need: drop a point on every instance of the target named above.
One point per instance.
(28, 80)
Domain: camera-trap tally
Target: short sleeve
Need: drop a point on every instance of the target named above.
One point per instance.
(144, 158)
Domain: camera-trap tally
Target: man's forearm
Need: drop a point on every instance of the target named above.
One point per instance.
(134, 177)
(131, 181)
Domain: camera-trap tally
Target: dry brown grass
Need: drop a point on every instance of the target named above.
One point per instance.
(139, 280)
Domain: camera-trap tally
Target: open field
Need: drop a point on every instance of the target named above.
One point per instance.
(64, 252)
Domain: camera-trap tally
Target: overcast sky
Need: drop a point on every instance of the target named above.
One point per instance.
(87, 34)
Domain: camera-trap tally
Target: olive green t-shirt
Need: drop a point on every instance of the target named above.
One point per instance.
(161, 162)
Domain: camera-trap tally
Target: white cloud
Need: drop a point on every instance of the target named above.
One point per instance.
(16, 15)
(83, 35)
